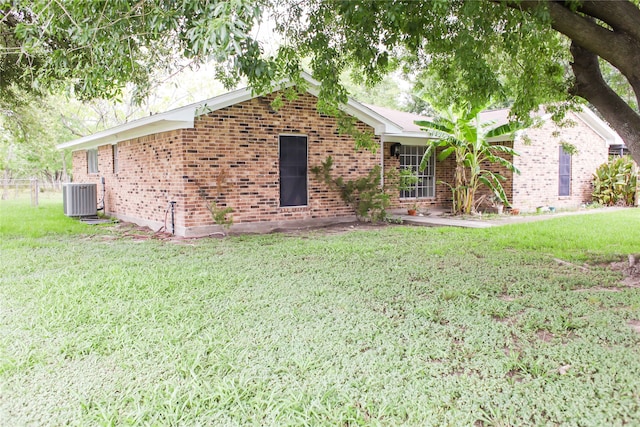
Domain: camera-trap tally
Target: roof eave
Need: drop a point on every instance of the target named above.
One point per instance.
(599, 126)
(183, 118)
(177, 119)
(407, 137)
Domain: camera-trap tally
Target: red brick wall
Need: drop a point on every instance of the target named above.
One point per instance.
(537, 184)
(507, 184)
(444, 174)
(240, 142)
(231, 156)
(149, 176)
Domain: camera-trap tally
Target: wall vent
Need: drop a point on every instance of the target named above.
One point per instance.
(79, 199)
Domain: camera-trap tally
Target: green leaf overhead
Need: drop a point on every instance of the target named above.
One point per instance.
(525, 52)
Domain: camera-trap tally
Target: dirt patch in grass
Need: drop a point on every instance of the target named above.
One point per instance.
(127, 230)
(140, 233)
(635, 325)
(545, 335)
(630, 271)
(341, 228)
(599, 289)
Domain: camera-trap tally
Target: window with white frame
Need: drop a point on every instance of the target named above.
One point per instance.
(92, 161)
(410, 158)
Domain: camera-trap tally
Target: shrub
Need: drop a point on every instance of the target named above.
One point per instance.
(365, 195)
(221, 216)
(614, 183)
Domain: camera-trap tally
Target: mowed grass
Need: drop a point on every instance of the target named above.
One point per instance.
(397, 326)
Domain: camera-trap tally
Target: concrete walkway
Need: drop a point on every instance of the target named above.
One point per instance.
(440, 219)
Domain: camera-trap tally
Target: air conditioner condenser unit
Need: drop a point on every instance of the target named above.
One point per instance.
(79, 199)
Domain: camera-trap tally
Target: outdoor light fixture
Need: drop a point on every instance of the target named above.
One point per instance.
(395, 150)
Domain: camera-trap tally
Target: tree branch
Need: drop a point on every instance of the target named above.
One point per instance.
(591, 86)
(65, 122)
(622, 16)
(619, 49)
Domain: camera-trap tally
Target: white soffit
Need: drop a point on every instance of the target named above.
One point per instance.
(177, 119)
(408, 138)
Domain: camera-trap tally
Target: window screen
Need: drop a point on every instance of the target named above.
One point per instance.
(92, 161)
(564, 177)
(293, 170)
(115, 158)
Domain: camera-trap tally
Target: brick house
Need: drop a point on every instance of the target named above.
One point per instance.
(549, 175)
(239, 152)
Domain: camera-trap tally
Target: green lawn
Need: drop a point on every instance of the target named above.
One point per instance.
(398, 326)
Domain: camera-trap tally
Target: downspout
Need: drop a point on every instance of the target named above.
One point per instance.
(173, 221)
(382, 160)
(102, 206)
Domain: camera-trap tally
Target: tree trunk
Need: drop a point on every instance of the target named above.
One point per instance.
(617, 42)
(590, 85)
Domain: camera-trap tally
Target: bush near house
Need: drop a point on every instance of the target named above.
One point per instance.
(614, 183)
(461, 133)
(366, 196)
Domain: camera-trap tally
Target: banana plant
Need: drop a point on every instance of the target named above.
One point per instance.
(461, 133)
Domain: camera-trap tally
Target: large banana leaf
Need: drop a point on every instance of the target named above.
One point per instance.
(505, 129)
(459, 131)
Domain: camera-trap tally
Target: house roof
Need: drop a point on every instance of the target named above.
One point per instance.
(392, 125)
(500, 117)
(183, 118)
(405, 120)
(411, 130)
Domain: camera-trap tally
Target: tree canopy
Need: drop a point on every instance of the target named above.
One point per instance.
(525, 52)
(100, 46)
(529, 52)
